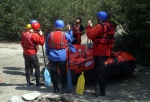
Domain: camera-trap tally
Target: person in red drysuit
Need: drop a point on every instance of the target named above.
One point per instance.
(78, 30)
(102, 39)
(30, 42)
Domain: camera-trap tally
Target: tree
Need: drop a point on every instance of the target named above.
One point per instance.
(133, 15)
(135, 40)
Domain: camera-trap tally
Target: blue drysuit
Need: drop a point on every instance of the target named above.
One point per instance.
(59, 55)
(57, 59)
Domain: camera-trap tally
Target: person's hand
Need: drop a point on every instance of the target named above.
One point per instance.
(89, 23)
(68, 27)
(40, 33)
(31, 30)
(78, 31)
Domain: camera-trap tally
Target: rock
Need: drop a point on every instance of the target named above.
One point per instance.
(61, 98)
(30, 96)
(16, 99)
(69, 98)
(52, 97)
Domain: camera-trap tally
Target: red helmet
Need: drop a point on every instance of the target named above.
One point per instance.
(35, 25)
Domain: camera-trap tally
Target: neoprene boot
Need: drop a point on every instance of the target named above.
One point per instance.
(28, 81)
(97, 90)
(102, 90)
(65, 89)
(38, 83)
(56, 89)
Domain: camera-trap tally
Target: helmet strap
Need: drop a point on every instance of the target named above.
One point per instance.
(98, 20)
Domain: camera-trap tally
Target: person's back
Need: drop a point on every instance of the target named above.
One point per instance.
(29, 47)
(57, 44)
(56, 47)
(57, 40)
(30, 42)
(102, 38)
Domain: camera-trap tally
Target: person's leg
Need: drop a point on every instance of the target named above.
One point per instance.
(36, 65)
(102, 76)
(31, 69)
(32, 76)
(54, 75)
(63, 72)
(27, 69)
(96, 76)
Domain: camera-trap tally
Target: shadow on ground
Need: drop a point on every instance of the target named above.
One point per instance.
(42, 89)
(13, 71)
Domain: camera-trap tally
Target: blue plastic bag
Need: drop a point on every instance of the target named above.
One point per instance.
(47, 77)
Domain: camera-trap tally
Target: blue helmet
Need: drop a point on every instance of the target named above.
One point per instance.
(32, 21)
(59, 24)
(102, 15)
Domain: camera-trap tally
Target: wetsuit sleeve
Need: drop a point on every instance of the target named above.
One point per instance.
(38, 39)
(70, 39)
(82, 30)
(22, 40)
(93, 32)
(47, 45)
(72, 48)
(69, 36)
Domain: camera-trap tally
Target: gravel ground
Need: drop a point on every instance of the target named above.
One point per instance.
(135, 88)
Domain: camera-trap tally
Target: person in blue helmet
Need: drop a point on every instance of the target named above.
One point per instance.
(102, 37)
(33, 21)
(57, 43)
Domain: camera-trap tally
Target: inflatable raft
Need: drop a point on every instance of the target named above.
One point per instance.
(121, 63)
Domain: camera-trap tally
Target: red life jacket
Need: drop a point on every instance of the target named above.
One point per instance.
(27, 43)
(75, 29)
(58, 40)
(107, 37)
(77, 36)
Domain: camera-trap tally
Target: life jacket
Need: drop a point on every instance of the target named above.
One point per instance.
(107, 37)
(76, 35)
(58, 40)
(27, 43)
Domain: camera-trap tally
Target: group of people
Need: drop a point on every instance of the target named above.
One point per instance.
(57, 44)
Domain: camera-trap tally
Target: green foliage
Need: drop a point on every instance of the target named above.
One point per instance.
(7, 21)
(16, 14)
(133, 15)
(136, 23)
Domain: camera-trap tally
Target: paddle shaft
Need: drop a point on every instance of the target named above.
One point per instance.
(81, 79)
(44, 56)
(68, 58)
(90, 44)
(85, 55)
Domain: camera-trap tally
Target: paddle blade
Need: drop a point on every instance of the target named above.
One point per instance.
(80, 84)
(47, 77)
(69, 80)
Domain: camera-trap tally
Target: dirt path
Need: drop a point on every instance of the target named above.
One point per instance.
(12, 81)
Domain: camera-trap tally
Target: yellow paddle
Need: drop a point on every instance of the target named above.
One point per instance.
(81, 79)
